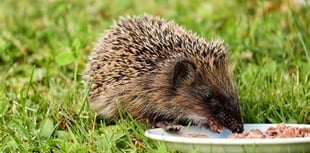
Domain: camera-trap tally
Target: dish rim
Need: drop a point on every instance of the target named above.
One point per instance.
(225, 141)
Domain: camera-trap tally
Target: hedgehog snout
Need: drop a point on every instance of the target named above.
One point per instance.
(238, 128)
(231, 120)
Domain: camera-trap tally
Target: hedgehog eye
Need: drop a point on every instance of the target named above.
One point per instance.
(207, 97)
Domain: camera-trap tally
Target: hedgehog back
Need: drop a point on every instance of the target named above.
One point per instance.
(133, 47)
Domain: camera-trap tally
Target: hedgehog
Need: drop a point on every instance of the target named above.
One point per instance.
(163, 75)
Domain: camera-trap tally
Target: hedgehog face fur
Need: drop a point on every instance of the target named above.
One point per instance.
(155, 70)
(195, 96)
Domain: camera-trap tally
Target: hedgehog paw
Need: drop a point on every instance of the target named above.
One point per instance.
(167, 126)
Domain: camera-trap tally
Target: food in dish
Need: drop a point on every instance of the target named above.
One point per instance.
(280, 131)
(196, 135)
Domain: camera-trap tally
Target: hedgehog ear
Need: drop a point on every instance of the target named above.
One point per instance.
(183, 71)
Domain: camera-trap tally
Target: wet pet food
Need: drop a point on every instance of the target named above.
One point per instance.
(281, 131)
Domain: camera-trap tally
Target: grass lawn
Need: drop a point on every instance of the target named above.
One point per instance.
(44, 47)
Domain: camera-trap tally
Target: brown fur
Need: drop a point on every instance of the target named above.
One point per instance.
(155, 70)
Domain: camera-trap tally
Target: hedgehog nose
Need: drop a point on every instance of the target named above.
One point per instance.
(238, 128)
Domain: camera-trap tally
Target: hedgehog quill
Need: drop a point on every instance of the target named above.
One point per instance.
(163, 75)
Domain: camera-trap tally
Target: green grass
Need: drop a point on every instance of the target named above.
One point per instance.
(44, 47)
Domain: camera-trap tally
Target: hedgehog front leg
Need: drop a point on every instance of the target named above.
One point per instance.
(168, 126)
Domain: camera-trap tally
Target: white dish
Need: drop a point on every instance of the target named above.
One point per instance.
(219, 143)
